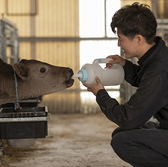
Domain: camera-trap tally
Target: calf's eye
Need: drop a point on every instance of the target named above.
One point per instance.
(42, 70)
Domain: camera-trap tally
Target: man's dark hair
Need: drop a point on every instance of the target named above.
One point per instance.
(135, 19)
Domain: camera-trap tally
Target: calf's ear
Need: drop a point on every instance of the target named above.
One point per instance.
(21, 70)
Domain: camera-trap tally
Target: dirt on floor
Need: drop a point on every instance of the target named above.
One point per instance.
(74, 140)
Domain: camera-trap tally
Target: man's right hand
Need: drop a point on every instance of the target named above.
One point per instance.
(116, 59)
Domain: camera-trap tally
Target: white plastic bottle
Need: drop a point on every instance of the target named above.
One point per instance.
(108, 76)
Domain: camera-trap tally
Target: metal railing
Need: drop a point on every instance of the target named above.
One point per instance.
(8, 41)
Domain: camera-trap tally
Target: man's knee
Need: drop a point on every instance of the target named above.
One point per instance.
(121, 144)
(117, 130)
(117, 143)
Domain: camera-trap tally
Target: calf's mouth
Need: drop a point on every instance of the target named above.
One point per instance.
(69, 81)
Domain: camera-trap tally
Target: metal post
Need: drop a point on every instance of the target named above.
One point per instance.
(105, 26)
(155, 7)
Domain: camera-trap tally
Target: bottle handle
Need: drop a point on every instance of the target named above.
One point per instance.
(102, 60)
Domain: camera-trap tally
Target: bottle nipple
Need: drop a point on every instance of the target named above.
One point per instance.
(77, 75)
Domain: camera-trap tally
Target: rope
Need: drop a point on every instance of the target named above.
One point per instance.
(16, 103)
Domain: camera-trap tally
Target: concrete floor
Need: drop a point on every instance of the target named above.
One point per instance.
(74, 140)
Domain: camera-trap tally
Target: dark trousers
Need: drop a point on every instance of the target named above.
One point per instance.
(146, 146)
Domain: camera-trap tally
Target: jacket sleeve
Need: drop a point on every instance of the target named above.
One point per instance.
(142, 105)
(131, 71)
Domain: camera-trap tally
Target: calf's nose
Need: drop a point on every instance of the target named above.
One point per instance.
(70, 70)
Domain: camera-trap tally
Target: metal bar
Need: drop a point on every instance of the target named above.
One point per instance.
(11, 57)
(162, 20)
(9, 27)
(3, 42)
(84, 90)
(7, 22)
(32, 29)
(105, 18)
(53, 39)
(155, 7)
(105, 28)
(27, 119)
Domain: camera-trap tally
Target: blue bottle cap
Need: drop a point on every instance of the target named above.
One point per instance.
(99, 60)
(84, 75)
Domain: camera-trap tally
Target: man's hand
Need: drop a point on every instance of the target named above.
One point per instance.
(116, 59)
(95, 88)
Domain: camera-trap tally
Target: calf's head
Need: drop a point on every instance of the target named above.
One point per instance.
(39, 78)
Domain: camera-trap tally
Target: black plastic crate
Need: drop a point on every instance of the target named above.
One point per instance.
(23, 123)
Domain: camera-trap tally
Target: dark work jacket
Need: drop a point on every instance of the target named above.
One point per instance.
(151, 97)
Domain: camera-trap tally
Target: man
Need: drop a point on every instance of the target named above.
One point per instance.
(138, 141)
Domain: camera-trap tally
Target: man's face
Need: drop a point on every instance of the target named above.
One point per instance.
(128, 45)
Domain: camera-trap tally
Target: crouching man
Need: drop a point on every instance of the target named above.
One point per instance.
(138, 141)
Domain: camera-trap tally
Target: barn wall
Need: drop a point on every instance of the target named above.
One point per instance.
(161, 6)
(128, 2)
(40, 23)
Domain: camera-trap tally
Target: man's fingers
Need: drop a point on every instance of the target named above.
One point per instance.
(113, 61)
(108, 65)
(97, 79)
(112, 56)
(86, 85)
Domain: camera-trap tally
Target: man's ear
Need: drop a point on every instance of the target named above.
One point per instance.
(140, 39)
(21, 70)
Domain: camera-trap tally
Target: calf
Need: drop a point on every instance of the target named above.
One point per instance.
(34, 78)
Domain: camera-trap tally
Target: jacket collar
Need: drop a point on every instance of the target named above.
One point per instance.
(151, 52)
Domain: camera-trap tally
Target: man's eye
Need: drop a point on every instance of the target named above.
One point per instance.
(42, 70)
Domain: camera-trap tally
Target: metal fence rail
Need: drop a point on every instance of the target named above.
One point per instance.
(8, 41)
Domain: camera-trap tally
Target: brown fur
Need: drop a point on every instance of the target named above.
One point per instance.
(34, 79)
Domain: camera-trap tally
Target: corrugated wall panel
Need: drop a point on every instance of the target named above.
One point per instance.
(13, 8)
(23, 25)
(22, 22)
(59, 53)
(63, 102)
(161, 8)
(24, 50)
(60, 18)
(54, 18)
(2, 7)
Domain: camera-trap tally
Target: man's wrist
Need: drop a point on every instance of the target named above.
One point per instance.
(99, 91)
